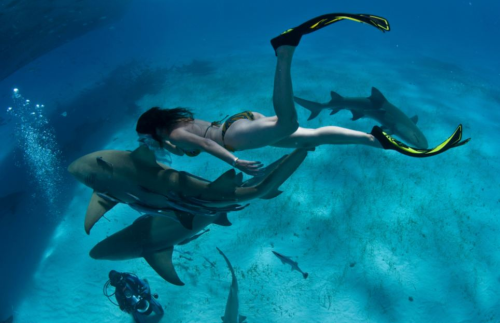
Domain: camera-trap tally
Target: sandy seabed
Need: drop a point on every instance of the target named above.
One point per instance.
(384, 237)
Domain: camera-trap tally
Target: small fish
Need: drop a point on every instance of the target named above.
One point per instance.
(289, 261)
(187, 258)
(208, 260)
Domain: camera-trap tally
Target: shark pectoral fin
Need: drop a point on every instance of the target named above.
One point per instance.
(98, 206)
(225, 182)
(144, 156)
(414, 119)
(242, 318)
(271, 195)
(356, 115)
(161, 262)
(223, 220)
(186, 219)
(377, 98)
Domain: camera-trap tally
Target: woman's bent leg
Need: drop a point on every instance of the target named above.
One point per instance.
(283, 102)
(330, 135)
(244, 134)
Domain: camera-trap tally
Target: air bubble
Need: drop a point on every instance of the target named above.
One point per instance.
(41, 154)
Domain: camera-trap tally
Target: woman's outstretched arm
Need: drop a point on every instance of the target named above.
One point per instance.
(188, 140)
(172, 148)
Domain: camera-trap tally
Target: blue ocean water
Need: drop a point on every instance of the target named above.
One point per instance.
(385, 238)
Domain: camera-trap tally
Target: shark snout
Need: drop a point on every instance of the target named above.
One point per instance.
(81, 172)
(72, 168)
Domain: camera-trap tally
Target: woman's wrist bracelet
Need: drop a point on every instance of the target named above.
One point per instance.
(234, 161)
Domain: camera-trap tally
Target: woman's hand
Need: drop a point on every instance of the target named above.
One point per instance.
(252, 168)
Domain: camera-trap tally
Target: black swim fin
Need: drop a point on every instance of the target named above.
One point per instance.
(388, 142)
(292, 36)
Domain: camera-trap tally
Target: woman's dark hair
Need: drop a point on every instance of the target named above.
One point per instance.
(156, 118)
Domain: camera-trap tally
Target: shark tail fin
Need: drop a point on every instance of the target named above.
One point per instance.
(305, 275)
(377, 98)
(161, 262)
(98, 206)
(242, 318)
(281, 173)
(314, 107)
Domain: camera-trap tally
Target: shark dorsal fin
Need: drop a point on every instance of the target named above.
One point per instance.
(377, 98)
(143, 155)
(98, 206)
(335, 96)
(242, 318)
(186, 219)
(226, 181)
(161, 262)
(414, 119)
(222, 220)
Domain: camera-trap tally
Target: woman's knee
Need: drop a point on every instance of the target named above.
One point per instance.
(287, 128)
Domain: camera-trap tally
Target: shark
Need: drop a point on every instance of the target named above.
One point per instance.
(289, 261)
(152, 237)
(232, 312)
(377, 107)
(137, 179)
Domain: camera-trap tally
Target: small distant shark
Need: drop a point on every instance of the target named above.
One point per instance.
(137, 179)
(232, 313)
(289, 261)
(376, 107)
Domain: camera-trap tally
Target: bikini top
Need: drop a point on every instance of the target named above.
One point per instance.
(196, 152)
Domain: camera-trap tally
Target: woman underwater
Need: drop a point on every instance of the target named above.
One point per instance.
(180, 133)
